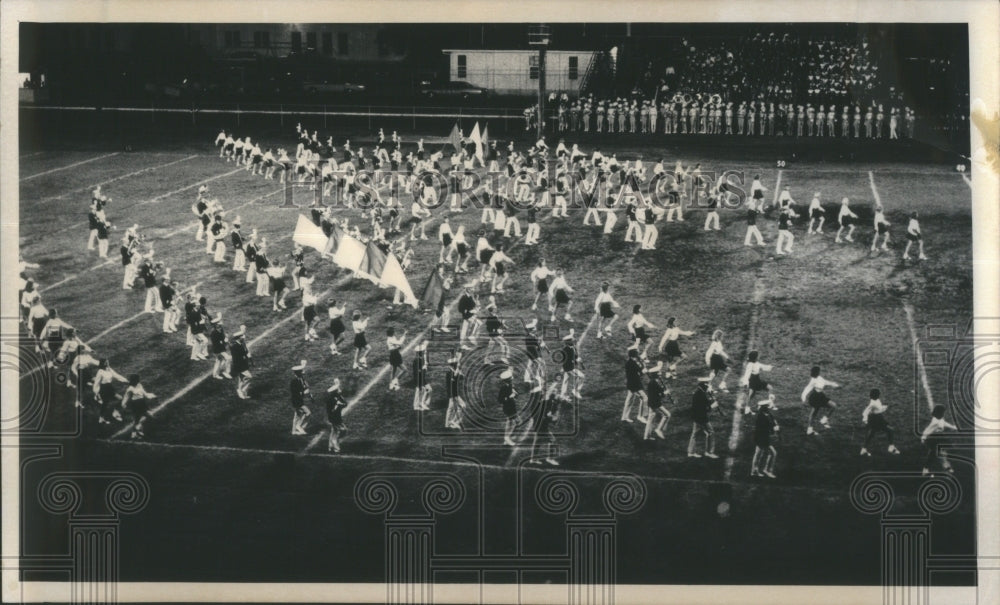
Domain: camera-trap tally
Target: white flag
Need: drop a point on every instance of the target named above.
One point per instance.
(308, 234)
(477, 138)
(393, 276)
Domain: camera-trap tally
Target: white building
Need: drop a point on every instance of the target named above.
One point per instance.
(516, 71)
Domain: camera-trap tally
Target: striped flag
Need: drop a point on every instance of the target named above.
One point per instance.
(367, 261)
(374, 260)
(433, 291)
(336, 235)
(455, 138)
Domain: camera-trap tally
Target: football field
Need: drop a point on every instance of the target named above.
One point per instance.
(217, 462)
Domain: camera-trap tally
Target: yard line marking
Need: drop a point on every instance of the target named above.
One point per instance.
(462, 463)
(230, 211)
(920, 358)
(116, 326)
(875, 195)
(734, 436)
(30, 155)
(777, 187)
(175, 191)
(100, 157)
(152, 200)
(116, 179)
(130, 319)
(73, 276)
(967, 180)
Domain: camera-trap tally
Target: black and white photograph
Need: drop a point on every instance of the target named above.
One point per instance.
(501, 303)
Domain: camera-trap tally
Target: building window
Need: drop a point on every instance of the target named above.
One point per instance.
(574, 68)
(327, 43)
(232, 39)
(342, 48)
(262, 39)
(533, 67)
(296, 42)
(462, 71)
(311, 41)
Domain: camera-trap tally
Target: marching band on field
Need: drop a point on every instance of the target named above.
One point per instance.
(532, 181)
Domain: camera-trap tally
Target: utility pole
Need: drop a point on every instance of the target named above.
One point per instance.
(541, 91)
(539, 36)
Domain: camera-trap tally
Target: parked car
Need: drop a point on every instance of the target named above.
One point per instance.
(456, 89)
(328, 86)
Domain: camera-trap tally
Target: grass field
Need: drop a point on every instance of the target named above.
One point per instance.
(229, 481)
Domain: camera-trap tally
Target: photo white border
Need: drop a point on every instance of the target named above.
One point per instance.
(982, 17)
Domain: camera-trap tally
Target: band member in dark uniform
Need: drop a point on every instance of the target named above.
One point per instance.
(456, 404)
(508, 404)
(702, 402)
(394, 343)
(220, 349)
(299, 389)
(544, 435)
(241, 360)
(765, 427)
(657, 398)
(422, 386)
(335, 405)
(239, 256)
(572, 366)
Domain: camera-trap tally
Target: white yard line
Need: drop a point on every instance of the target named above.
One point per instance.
(176, 191)
(920, 358)
(152, 200)
(73, 276)
(777, 188)
(734, 436)
(115, 180)
(875, 195)
(228, 212)
(100, 157)
(419, 461)
(130, 319)
(31, 155)
(168, 235)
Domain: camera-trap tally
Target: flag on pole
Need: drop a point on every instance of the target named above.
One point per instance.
(308, 234)
(392, 275)
(367, 261)
(455, 138)
(476, 138)
(433, 291)
(336, 234)
(349, 254)
(374, 260)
